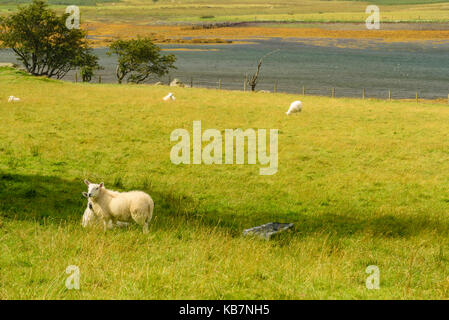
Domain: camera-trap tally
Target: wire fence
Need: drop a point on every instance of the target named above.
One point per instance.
(300, 88)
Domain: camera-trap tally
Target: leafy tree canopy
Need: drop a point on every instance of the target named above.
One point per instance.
(43, 43)
(140, 59)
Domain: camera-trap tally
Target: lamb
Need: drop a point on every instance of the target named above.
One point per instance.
(13, 99)
(112, 206)
(296, 106)
(90, 219)
(169, 96)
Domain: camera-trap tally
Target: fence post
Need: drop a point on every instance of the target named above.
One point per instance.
(303, 91)
(389, 94)
(275, 89)
(417, 97)
(169, 79)
(76, 77)
(99, 79)
(244, 83)
(333, 92)
(363, 94)
(191, 82)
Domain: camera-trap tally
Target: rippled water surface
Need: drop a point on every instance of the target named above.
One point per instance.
(346, 65)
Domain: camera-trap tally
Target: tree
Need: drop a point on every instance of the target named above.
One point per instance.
(139, 59)
(86, 73)
(89, 64)
(253, 80)
(43, 43)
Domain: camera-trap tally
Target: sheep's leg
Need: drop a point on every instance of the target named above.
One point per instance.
(107, 224)
(139, 215)
(121, 224)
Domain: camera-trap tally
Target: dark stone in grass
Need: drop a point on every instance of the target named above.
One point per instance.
(267, 230)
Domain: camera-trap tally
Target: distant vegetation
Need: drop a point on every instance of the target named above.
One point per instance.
(400, 2)
(140, 59)
(42, 42)
(61, 2)
(146, 11)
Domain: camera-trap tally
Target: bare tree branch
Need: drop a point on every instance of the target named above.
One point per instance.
(253, 80)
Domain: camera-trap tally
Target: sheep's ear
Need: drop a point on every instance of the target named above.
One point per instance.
(102, 185)
(86, 182)
(85, 194)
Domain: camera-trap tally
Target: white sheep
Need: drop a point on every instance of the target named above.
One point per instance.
(169, 96)
(116, 206)
(90, 219)
(13, 99)
(296, 106)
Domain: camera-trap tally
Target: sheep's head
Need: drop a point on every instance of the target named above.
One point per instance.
(93, 189)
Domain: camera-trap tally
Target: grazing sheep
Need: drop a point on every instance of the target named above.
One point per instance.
(169, 96)
(296, 106)
(176, 83)
(13, 99)
(90, 219)
(8, 64)
(116, 206)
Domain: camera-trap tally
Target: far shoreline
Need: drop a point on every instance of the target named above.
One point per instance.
(239, 33)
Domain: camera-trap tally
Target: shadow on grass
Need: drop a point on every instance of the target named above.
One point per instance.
(340, 225)
(54, 200)
(39, 198)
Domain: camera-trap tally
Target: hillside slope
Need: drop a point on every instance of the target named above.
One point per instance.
(364, 181)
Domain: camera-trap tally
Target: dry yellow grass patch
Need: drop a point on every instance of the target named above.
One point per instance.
(106, 32)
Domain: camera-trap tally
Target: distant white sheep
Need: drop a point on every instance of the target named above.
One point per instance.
(13, 99)
(169, 96)
(90, 219)
(112, 206)
(296, 106)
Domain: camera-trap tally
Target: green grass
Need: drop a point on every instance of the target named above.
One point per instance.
(364, 181)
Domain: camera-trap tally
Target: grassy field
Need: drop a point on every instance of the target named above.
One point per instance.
(142, 11)
(194, 11)
(169, 21)
(364, 181)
